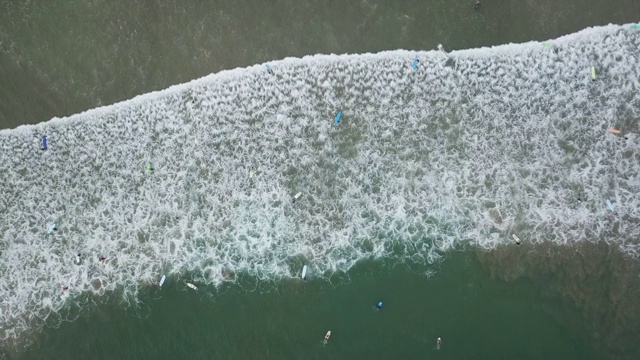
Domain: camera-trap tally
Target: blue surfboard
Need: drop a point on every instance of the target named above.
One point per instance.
(44, 142)
(415, 62)
(338, 118)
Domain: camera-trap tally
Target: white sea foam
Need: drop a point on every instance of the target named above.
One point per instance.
(471, 147)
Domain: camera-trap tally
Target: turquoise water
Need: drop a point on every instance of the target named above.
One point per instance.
(432, 169)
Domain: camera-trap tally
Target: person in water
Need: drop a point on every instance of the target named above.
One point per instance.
(476, 6)
(326, 337)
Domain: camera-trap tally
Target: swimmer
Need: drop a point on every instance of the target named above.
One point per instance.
(101, 260)
(326, 337)
(438, 343)
(65, 289)
(476, 6)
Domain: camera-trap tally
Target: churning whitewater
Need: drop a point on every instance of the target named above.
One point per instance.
(463, 148)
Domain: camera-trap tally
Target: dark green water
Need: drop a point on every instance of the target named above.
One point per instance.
(63, 57)
(476, 317)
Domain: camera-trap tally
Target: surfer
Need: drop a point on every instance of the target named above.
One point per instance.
(438, 343)
(269, 71)
(476, 6)
(296, 197)
(326, 337)
(415, 62)
(379, 306)
(517, 239)
(101, 260)
(78, 259)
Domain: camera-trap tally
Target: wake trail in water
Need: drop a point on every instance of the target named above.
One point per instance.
(464, 149)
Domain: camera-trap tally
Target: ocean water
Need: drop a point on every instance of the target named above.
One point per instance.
(62, 57)
(252, 319)
(430, 166)
(461, 150)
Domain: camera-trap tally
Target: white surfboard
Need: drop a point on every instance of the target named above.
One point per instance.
(164, 277)
(610, 205)
(297, 196)
(304, 272)
(327, 336)
(192, 286)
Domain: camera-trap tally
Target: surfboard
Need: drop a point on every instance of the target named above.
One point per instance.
(192, 286)
(609, 204)
(415, 62)
(327, 336)
(164, 277)
(304, 272)
(338, 118)
(593, 72)
(516, 238)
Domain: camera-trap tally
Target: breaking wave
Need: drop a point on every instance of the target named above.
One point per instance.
(459, 149)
